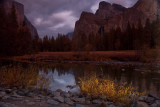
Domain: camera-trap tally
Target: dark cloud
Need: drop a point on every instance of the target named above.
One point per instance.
(53, 16)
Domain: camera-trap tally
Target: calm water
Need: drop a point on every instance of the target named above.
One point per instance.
(143, 76)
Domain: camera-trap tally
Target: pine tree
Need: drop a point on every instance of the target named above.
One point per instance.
(156, 32)
(140, 36)
(45, 43)
(134, 33)
(110, 39)
(129, 37)
(148, 34)
(52, 42)
(117, 38)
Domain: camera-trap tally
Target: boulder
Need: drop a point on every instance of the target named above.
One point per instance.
(65, 94)
(79, 100)
(150, 100)
(68, 101)
(59, 99)
(52, 102)
(142, 104)
(96, 102)
(2, 104)
(56, 94)
(79, 105)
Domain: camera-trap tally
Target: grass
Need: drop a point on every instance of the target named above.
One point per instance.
(107, 89)
(150, 55)
(15, 76)
(80, 56)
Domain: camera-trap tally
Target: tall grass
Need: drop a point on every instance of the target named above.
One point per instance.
(100, 87)
(149, 55)
(15, 76)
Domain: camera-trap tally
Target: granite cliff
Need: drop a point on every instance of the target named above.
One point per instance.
(21, 18)
(113, 15)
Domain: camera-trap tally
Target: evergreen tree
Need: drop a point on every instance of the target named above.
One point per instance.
(134, 33)
(129, 37)
(52, 42)
(110, 39)
(117, 38)
(45, 43)
(139, 36)
(156, 32)
(148, 34)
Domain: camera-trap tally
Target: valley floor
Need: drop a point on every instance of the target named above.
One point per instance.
(81, 56)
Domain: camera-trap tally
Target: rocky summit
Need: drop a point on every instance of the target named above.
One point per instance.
(111, 16)
(21, 18)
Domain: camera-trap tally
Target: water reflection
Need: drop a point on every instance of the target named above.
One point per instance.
(62, 81)
(143, 77)
(59, 76)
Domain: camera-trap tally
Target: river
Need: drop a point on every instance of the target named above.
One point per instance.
(143, 76)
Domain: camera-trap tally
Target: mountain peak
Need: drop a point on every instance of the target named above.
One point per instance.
(113, 15)
(103, 5)
(107, 10)
(143, 4)
(150, 8)
(118, 7)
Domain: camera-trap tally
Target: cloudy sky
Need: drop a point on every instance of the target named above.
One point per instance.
(53, 16)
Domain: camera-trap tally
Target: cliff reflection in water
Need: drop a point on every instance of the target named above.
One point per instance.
(62, 80)
(59, 76)
(143, 77)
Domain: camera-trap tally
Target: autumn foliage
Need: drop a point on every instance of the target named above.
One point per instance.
(108, 89)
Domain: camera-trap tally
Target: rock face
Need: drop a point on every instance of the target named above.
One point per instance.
(21, 18)
(114, 15)
(107, 11)
(31, 28)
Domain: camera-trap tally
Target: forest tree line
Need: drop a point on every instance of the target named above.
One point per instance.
(17, 40)
(131, 39)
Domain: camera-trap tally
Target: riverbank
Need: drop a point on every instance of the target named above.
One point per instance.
(80, 56)
(19, 97)
(127, 55)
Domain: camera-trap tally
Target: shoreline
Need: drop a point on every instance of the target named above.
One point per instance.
(97, 56)
(129, 63)
(80, 56)
(18, 97)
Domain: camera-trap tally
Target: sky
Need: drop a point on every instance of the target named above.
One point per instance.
(51, 17)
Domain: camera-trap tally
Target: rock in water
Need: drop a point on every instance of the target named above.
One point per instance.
(59, 99)
(52, 102)
(79, 105)
(142, 104)
(68, 101)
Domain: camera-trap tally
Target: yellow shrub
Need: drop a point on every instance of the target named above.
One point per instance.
(108, 89)
(14, 76)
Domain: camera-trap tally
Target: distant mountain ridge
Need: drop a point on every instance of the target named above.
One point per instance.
(7, 4)
(113, 15)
